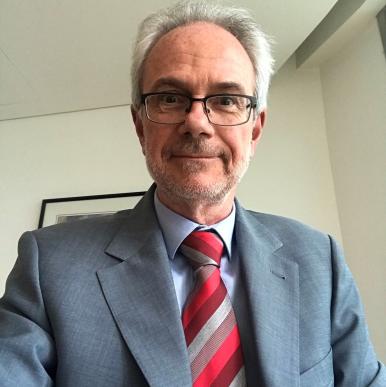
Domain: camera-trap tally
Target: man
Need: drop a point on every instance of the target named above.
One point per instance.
(188, 287)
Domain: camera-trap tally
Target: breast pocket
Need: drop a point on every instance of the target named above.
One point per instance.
(320, 375)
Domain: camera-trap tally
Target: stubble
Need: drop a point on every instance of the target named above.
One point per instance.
(187, 189)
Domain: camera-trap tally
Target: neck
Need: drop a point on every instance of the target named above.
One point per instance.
(201, 212)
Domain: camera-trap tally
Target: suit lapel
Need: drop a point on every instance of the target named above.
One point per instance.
(141, 297)
(271, 285)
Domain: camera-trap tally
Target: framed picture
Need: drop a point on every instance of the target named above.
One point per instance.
(62, 210)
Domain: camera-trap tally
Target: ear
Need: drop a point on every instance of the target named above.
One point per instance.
(137, 119)
(258, 129)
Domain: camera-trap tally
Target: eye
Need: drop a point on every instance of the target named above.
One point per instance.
(226, 100)
(169, 98)
(171, 101)
(226, 103)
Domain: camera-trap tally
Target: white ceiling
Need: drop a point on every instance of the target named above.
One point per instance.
(59, 56)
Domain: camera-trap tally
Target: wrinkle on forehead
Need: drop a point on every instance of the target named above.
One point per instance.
(201, 39)
(198, 47)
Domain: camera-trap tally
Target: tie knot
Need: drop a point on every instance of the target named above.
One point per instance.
(202, 248)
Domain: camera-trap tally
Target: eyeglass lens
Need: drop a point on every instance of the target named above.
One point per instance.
(220, 109)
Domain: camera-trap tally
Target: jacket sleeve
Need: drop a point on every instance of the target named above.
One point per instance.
(27, 348)
(355, 363)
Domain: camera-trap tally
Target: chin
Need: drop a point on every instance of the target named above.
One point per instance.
(190, 185)
(196, 191)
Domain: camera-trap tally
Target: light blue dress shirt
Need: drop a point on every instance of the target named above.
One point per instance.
(175, 229)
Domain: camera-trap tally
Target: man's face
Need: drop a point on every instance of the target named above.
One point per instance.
(196, 160)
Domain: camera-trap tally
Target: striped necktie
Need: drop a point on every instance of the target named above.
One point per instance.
(209, 323)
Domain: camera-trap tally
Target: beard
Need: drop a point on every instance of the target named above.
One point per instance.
(190, 189)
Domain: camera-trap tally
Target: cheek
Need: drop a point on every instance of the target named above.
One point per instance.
(155, 144)
(241, 148)
(151, 148)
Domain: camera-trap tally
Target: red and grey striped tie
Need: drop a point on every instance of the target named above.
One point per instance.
(210, 327)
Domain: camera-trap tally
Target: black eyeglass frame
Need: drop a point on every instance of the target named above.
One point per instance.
(252, 106)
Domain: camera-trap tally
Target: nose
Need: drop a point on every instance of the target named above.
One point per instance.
(196, 121)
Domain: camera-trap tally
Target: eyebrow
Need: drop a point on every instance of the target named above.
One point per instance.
(225, 86)
(230, 86)
(169, 82)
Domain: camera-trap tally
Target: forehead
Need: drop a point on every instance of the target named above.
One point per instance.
(199, 57)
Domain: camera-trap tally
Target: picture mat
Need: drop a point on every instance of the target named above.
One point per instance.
(87, 207)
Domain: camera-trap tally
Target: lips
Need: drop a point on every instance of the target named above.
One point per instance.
(193, 149)
(193, 156)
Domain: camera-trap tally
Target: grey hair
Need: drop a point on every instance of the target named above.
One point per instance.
(235, 20)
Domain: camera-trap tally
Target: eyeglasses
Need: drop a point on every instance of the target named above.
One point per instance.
(221, 109)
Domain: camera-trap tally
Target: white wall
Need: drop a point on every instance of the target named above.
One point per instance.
(291, 173)
(354, 90)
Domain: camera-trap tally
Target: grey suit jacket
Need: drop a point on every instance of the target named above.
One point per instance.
(93, 304)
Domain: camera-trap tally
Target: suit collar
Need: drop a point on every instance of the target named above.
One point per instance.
(139, 225)
(176, 228)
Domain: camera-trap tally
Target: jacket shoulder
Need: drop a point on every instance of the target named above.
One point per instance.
(287, 229)
(97, 230)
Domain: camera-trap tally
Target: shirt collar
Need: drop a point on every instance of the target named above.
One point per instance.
(176, 228)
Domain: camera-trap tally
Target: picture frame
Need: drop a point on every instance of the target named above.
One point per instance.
(67, 209)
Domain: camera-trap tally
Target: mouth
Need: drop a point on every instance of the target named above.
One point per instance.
(193, 156)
